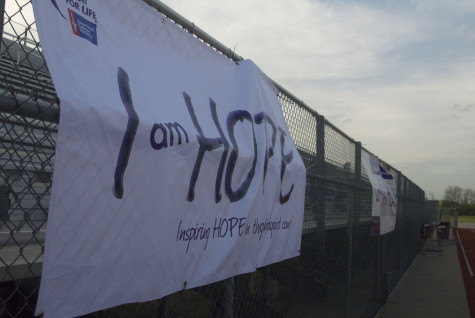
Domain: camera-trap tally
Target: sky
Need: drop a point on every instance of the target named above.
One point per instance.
(397, 75)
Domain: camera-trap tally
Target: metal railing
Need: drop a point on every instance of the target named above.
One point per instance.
(342, 270)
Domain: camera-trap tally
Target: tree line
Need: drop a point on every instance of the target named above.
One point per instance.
(461, 199)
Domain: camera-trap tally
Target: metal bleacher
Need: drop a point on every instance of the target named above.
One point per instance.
(29, 112)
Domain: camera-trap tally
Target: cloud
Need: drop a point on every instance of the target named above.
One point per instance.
(409, 122)
(444, 6)
(466, 31)
(463, 108)
(305, 40)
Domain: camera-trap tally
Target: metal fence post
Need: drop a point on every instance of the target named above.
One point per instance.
(320, 195)
(381, 284)
(356, 192)
(228, 298)
(401, 190)
(353, 223)
(2, 7)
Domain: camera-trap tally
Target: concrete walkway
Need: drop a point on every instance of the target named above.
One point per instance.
(431, 287)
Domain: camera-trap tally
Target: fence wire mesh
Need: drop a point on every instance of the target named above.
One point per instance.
(343, 271)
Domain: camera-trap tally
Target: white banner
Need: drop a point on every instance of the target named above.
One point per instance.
(384, 202)
(174, 166)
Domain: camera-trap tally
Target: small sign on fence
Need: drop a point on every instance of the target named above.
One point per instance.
(384, 201)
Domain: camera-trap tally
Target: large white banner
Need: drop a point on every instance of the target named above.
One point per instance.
(384, 202)
(174, 166)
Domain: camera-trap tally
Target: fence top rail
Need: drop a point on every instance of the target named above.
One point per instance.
(199, 33)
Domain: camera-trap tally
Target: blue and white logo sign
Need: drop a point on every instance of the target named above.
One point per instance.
(79, 13)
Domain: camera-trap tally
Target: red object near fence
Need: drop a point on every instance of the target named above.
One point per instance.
(465, 239)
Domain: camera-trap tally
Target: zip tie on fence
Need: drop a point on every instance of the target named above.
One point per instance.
(231, 55)
(465, 256)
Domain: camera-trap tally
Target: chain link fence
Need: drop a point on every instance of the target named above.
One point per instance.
(343, 271)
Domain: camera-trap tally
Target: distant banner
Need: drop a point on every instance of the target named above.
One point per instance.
(384, 203)
(174, 166)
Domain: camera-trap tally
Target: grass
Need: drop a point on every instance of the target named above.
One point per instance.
(460, 218)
